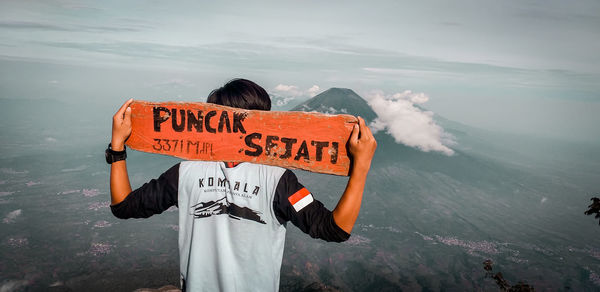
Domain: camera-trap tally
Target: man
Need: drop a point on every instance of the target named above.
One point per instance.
(232, 216)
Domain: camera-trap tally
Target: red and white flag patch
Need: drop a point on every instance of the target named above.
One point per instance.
(301, 199)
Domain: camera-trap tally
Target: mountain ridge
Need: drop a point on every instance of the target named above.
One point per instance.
(338, 100)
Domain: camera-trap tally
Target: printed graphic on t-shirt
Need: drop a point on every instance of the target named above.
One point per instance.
(221, 184)
(221, 207)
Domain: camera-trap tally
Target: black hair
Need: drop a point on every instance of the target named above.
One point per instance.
(241, 93)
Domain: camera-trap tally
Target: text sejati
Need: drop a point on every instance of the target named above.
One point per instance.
(223, 182)
(301, 152)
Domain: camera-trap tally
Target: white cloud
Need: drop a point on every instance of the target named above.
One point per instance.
(283, 87)
(12, 171)
(78, 168)
(288, 90)
(283, 94)
(12, 216)
(13, 285)
(281, 101)
(313, 90)
(32, 183)
(408, 124)
(418, 98)
(172, 84)
(294, 91)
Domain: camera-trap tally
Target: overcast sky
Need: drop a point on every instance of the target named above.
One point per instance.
(528, 67)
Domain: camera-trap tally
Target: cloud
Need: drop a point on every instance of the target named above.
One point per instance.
(12, 171)
(90, 192)
(171, 85)
(13, 285)
(451, 23)
(32, 183)
(418, 98)
(290, 90)
(282, 94)
(12, 216)
(313, 90)
(78, 168)
(280, 101)
(295, 91)
(407, 123)
(31, 25)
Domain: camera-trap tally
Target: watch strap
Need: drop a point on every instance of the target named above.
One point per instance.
(114, 156)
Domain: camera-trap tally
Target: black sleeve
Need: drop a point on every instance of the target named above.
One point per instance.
(153, 197)
(294, 203)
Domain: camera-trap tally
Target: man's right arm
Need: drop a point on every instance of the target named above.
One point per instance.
(153, 197)
(121, 129)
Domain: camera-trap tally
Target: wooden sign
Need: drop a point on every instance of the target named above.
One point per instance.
(202, 131)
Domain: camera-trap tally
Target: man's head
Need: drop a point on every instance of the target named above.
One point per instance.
(241, 93)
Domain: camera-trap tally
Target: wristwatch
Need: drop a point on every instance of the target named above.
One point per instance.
(114, 156)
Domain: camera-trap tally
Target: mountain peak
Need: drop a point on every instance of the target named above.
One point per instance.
(338, 101)
(340, 89)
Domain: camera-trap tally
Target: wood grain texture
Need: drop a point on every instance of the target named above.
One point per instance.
(201, 131)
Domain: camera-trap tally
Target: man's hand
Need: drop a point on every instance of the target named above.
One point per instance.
(121, 129)
(361, 148)
(121, 126)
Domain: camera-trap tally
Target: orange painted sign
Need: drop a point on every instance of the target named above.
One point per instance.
(202, 131)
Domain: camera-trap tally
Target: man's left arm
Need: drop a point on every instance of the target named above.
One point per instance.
(361, 146)
(293, 202)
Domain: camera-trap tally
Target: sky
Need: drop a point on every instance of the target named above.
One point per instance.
(526, 67)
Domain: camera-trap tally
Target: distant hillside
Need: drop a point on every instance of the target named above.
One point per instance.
(338, 101)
